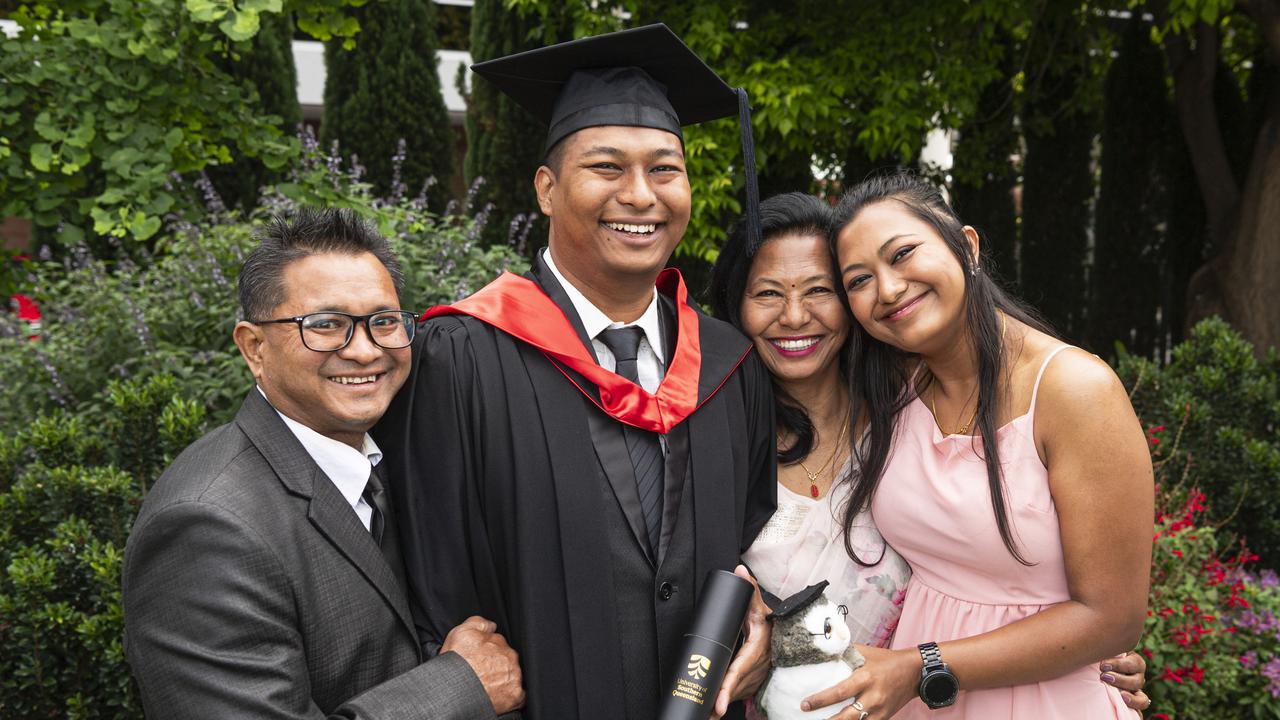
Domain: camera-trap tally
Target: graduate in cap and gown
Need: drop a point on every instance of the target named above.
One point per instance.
(577, 447)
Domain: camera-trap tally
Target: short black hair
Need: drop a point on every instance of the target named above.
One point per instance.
(309, 231)
(555, 157)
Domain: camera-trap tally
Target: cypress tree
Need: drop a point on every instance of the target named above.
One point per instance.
(985, 176)
(1129, 244)
(265, 63)
(504, 143)
(386, 90)
(1058, 185)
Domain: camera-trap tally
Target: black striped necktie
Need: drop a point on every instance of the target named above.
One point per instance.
(383, 524)
(642, 445)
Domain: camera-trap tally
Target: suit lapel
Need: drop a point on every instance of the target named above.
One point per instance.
(668, 327)
(611, 449)
(328, 510)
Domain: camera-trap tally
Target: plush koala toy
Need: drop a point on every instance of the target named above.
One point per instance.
(810, 650)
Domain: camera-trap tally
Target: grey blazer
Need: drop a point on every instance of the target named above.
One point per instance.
(252, 590)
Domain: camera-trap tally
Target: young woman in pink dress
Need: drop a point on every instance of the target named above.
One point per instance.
(1006, 467)
(784, 294)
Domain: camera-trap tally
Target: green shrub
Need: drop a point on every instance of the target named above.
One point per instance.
(1221, 405)
(70, 492)
(1211, 634)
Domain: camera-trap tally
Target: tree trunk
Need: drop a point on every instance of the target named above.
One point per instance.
(1242, 279)
(1251, 271)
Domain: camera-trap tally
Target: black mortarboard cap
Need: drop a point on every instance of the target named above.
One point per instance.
(797, 602)
(642, 77)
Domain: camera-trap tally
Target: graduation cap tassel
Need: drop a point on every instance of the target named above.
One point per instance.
(749, 167)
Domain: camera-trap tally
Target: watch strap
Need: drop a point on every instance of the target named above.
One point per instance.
(930, 653)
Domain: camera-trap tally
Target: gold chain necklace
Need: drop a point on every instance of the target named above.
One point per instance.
(963, 429)
(933, 398)
(813, 476)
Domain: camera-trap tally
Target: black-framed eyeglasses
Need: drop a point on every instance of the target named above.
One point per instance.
(826, 624)
(332, 331)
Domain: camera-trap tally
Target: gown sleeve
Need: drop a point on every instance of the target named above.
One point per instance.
(432, 455)
(762, 483)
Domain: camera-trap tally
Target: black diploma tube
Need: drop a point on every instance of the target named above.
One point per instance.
(708, 647)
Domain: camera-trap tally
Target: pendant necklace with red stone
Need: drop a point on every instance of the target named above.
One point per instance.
(813, 476)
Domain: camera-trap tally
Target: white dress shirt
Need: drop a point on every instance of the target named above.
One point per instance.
(347, 468)
(650, 366)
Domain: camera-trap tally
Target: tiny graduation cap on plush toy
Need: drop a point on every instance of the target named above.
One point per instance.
(643, 77)
(810, 650)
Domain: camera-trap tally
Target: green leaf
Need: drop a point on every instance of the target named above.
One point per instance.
(172, 138)
(146, 228)
(271, 6)
(47, 201)
(208, 10)
(46, 128)
(71, 234)
(82, 136)
(41, 156)
(111, 196)
(103, 221)
(240, 26)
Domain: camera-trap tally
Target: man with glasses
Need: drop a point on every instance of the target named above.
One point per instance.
(263, 576)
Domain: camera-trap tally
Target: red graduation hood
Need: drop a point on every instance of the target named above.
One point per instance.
(520, 308)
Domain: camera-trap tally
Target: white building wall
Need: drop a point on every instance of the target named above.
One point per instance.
(308, 57)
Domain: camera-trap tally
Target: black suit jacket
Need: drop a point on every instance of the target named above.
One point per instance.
(252, 590)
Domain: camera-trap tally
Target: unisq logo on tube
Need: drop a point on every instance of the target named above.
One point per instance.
(698, 666)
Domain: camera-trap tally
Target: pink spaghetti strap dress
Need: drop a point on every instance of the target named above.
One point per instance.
(934, 507)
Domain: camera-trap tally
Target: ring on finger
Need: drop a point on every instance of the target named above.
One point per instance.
(864, 715)
(857, 705)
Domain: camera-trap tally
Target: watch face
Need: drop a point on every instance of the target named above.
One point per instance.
(939, 689)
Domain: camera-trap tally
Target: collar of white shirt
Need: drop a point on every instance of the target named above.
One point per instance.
(594, 321)
(345, 466)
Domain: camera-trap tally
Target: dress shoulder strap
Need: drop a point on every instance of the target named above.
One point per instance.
(1035, 389)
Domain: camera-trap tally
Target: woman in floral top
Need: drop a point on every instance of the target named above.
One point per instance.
(788, 305)
(783, 295)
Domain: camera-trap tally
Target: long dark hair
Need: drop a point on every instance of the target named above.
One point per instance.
(787, 214)
(878, 378)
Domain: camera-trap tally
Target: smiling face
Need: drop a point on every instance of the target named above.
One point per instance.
(338, 394)
(618, 203)
(790, 308)
(906, 286)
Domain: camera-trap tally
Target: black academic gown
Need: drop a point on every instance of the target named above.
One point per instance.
(517, 502)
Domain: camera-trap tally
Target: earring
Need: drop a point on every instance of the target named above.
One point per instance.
(974, 271)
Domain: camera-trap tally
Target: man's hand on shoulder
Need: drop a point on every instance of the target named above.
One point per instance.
(491, 658)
